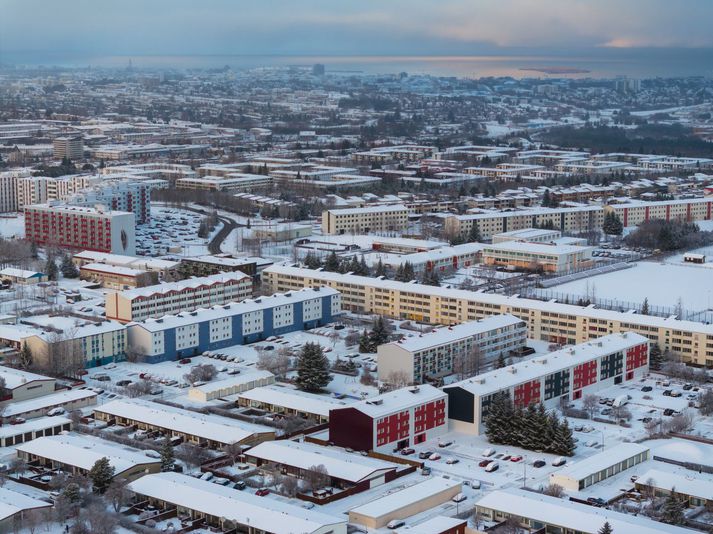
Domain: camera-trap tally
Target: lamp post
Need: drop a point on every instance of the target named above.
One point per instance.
(524, 471)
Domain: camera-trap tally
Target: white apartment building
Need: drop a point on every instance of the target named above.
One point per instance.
(364, 220)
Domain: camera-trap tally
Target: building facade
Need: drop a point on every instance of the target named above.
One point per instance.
(390, 218)
(555, 259)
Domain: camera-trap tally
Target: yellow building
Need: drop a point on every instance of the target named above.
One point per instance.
(548, 321)
(393, 217)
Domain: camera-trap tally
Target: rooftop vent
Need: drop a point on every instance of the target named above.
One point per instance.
(414, 389)
(512, 370)
(375, 402)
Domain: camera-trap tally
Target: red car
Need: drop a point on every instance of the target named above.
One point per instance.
(484, 463)
(184, 361)
(516, 459)
(262, 492)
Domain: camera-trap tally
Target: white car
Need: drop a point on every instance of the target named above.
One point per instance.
(395, 523)
(459, 498)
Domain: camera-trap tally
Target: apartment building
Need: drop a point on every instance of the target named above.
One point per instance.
(8, 189)
(390, 421)
(124, 195)
(116, 277)
(191, 333)
(144, 263)
(70, 147)
(633, 213)
(389, 218)
(567, 374)
(528, 235)
(232, 183)
(433, 354)
(569, 220)
(548, 321)
(82, 228)
(443, 259)
(555, 259)
(171, 298)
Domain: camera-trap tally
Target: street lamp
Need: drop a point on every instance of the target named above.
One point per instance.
(524, 471)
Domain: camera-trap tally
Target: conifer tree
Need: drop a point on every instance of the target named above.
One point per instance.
(311, 261)
(312, 368)
(69, 270)
(51, 269)
(101, 474)
(380, 333)
(364, 343)
(25, 356)
(500, 363)
(168, 458)
(672, 509)
(655, 357)
(474, 234)
(564, 440)
(363, 267)
(606, 529)
(380, 269)
(331, 264)
(399, 276)
(645, 307)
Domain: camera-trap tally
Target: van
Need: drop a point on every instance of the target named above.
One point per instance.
(488, 452)
(560, 460)
(620, 401)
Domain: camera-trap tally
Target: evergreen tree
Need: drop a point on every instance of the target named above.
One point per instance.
(655, 357)
(71, 492)
(25, 356)
(500, 363)
(380, 269)
(51, 269)
(69, 270)
(541, 424)
(312, 368)
(363, 267)
(672, 509)
(606, 529)
(546, 199)
(612, 224)
(168, 458)
(101, 474)
(409, 273)
(353, 266)
(331, 264)
(474, 234)
(311, 261)
(528, 429)
(498, 419)
(380, 333)
(564, 441)
(33, 250)
(399, 276)
(364, 343)
(645, 307)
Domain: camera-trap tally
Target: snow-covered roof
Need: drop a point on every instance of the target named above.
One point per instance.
(692, 483)
(47, 401)
(449, 334)
(245, 377)
(233, 308)
(440, 523)
(190, 283)
(19, 273)
(569, 514)
(127, 261)
(339, 464)
(244, 508)
(210, 427)
(535, 368)
(405, 497)
(527, 212)
(369, 209)
(495, 299)
(12, 502)
(113, 269)
(300, 401)
(580, 470)
(398, 400)
(33, 425)
(535, 248)
(14, 378)
(83, 451)
(529, 233)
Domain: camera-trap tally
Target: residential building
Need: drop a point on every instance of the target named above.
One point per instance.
(22, 385)
(68, 147)
(82, 228)
(117, 195)
(21, 276)
(212, 431)
(283, 400)
(633, 213)
(246, 380)
(143, 263)
(14, 507)
(11, 435)
(433, 354)
(39, 407)
(694, 490)
(550, 321)
(390, 421)
(191, 333)
(76, 454)
(528, 235)
(174, 297)
(207, 265)
(564, 375)
(116, 277)
(232, 183)
(230, 509)
(389, 218)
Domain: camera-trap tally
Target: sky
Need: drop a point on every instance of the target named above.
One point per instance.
(348, 27)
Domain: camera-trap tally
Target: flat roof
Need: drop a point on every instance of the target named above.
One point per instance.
(47, 401)
(339, 464)
(211, 427)
(12, 502)
(569, 514)
(399, 399)
(190, 283)
(600, 461)
(449, 334)
(245, 377)
(14, 378)
(296, 400)
(535, 368)
(535, 248)
(83, 451)
(19, 273)
(40, 423)
(112, 269)
(368, 209)
(242, 507)
(400, 499)
(694, 484)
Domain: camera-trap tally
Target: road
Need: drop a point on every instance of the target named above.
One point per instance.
(228, 226)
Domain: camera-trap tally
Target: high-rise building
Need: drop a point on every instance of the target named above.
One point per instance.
(68, 147)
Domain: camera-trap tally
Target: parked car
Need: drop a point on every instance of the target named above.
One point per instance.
(452, 461)
(445, 443)
(596, 501)
(484, 463)
(460, 497)
(539, 463)
(516, 459)
(423, 455)
(395, 523)
(646, 389)
(262, 492)
(492, 466)
(239, 485)
(407, 451)
(488, 452)
(56, 411)
(426, 471)
(561, 460)
(123, 383)
(435, 456)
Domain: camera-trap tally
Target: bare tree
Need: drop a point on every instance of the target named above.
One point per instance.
(32, 519)
(679, 423)
(137, 389)
(99, 520)
(396, 380)
(317, 477)
(468, 363)
(233, 451)
(192, 454)
(290, 486)
(590, 403)
(63, 355)
(118, 493)
(203, 372)
(706, 400)
(278, 363)
(553, 490)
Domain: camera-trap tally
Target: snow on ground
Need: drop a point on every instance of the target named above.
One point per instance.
(662, 283)
(12, 225)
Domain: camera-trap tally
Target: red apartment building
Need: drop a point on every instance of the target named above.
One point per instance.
(84, 228)
(391, 421)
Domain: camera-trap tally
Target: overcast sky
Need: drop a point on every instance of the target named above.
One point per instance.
(159, 27)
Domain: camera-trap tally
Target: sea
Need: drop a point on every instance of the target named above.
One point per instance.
(597, 63)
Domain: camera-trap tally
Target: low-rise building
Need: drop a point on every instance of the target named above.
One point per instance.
(281, 399)
(69, 400)
(564, 374)
(518, 255)
(170, 298)
(19, 385)
(433, 355)
(391, 421)
(405, 503)
(234, 385)
(599, 467)
(634, 212)
(539, 512)
(283, 231)
(229, 509)
(694, 491)
(14, 506)
(528, 235)
(21, 276)
(211, 431)
(191, 333)
(11, 435)
(77, 454)
(114, 277)
(143, 263)
(207, 265)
